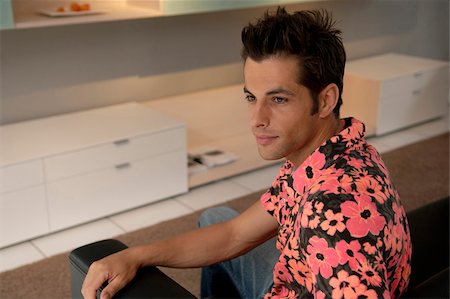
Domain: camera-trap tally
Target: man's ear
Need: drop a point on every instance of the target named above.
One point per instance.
(328, 99)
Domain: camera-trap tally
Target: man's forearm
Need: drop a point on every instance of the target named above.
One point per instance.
(197, 248)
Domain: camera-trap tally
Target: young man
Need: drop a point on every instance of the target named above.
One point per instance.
(340, 228)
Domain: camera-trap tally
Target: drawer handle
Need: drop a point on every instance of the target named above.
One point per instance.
(417, 75)
(417, 92)
(123, 166)
(121, 142)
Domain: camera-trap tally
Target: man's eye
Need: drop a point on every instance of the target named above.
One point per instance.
(279, 100)
(249, 98)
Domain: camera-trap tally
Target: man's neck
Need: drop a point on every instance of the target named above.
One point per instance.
(329, 129)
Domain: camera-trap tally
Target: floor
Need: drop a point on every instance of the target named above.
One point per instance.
(197, 198)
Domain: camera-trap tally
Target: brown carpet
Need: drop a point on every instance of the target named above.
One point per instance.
(420, 172)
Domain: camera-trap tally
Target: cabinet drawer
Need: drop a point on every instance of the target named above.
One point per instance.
(405, 110)
(86, 197)
(23, 215)
(115, 153)
(20, 176)
(415, 82)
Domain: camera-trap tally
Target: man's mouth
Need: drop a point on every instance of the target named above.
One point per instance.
(265, 139)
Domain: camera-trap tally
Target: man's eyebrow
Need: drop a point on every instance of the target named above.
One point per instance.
(274, 91)
(247, 91)
(280, 90)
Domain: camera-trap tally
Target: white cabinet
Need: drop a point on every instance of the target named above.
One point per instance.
(393, 91)
(23, 210)
(61, 171)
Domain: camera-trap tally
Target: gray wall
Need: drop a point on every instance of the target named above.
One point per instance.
(48, 71)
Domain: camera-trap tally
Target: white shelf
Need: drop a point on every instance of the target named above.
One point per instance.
(24, 13)
(29, 16)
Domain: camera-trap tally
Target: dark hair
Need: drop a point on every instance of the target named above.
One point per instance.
(310, 36)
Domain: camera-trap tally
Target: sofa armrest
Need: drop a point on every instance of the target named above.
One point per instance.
(429, 227)
(149, 282)
(434, 287)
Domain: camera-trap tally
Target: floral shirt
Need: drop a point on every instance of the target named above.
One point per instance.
(343, 232)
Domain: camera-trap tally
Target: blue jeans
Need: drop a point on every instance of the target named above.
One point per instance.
(247, 276)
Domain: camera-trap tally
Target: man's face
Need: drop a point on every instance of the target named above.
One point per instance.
(280, 109)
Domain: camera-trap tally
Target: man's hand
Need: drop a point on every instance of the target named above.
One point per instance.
(117, 269)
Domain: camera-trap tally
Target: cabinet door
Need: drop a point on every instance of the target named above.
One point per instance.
(98, 194)
(23, 215)
(422, 101)
(21, 176)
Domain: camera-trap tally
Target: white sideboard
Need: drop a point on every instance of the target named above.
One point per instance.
(61, 171)
(393, 91)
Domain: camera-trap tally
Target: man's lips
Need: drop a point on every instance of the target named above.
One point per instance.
(265, 139)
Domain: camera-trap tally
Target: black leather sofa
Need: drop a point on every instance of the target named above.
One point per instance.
(429, 226)
(430, 262)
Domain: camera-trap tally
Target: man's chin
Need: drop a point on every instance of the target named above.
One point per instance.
(270, 156)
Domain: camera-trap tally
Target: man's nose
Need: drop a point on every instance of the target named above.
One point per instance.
(259, 115)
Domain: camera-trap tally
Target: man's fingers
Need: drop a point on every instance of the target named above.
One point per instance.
(114, 269)
(90, 291)
(92, 282)
(112, 288)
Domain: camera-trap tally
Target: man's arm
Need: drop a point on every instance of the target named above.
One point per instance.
(197, 248)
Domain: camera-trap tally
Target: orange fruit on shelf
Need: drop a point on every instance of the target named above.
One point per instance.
(85, 7)
(74, 6)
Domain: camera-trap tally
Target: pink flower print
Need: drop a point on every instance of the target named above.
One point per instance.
(331, 185)
(361, 291)
(284, 214)
(369, 248)
(344, 285)
(286, 293)
(397, 237)
(370, 186)
(388, 236)
(359, 173)
(333, 223)
(369, 274)
(314, 223)
(291, 250)
(318, 206)
(379, 264)
(319, 295)
(269, 201)
(328, 181)
(363, 217)
(349, 253)
(307, 211)
(301, 273)
(288, 195)
(307, 172)
(281, 272)
(379, 243)
(321, 258)
(398, 215)
(281, 239)
(346, 184)
(265, 197)
(356, 163)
